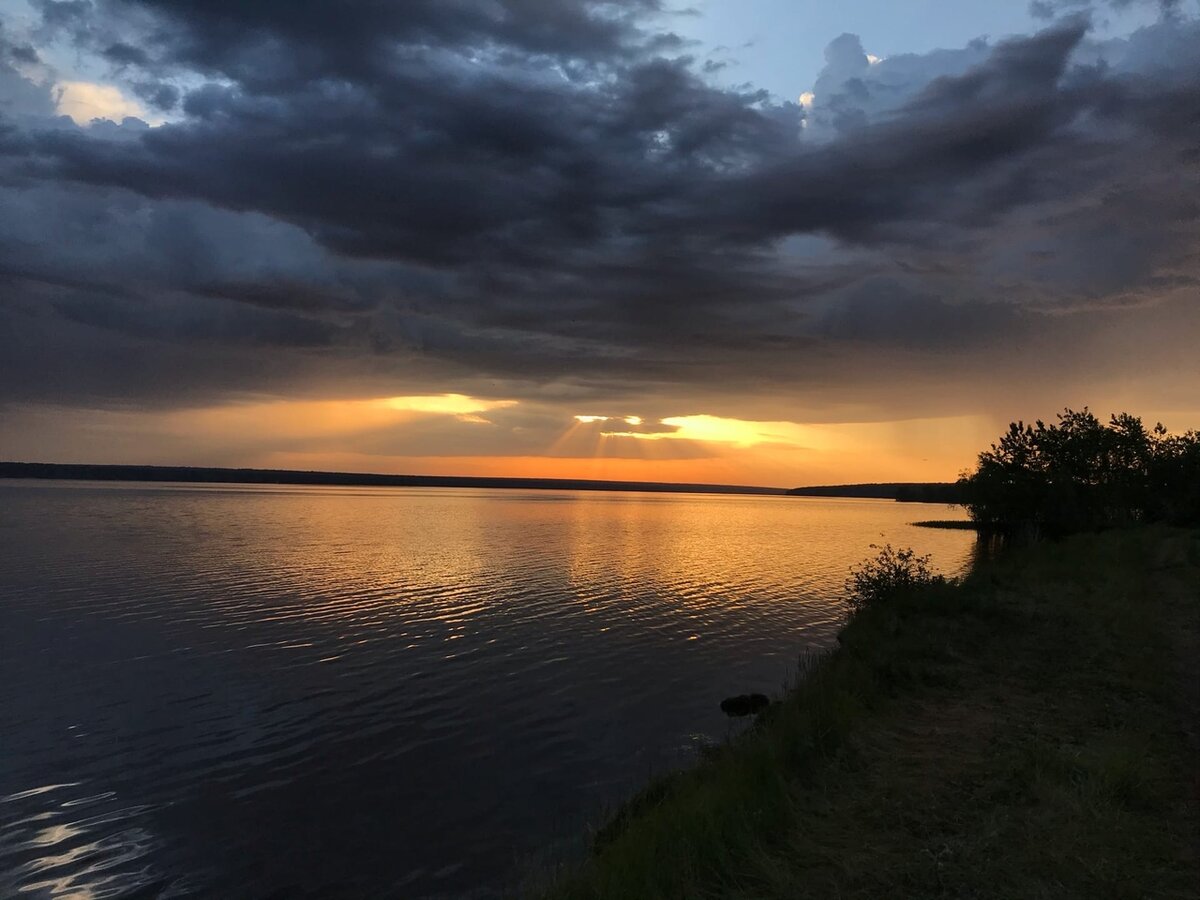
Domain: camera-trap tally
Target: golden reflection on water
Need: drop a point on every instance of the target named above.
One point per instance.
(364, 555)
(267, 657)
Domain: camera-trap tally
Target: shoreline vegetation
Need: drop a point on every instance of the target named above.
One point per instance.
(947, 492)
(1028, 732)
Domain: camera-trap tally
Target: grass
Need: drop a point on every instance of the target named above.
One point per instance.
(1029, 733)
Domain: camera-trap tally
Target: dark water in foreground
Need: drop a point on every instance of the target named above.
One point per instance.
(276, 692)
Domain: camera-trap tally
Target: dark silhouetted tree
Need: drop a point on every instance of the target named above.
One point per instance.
(1081, 474)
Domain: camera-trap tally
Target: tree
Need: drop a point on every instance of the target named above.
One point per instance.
(1082, 474)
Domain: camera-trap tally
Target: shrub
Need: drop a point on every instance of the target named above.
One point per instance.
(891, 572)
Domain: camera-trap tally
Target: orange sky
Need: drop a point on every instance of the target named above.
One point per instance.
(454, 434)
(590, 278)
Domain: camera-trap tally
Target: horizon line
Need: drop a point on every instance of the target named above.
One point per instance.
(138, 472)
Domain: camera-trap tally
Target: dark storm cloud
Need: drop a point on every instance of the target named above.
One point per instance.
(162, 97)
(18, 96)
(183, 321)
(125, 55)
(272, 44)
(447, 194)
(1048, 9)
(442, 167)
(23, 53)
(884, 312)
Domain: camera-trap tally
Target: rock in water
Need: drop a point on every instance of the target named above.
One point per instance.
(745, 704)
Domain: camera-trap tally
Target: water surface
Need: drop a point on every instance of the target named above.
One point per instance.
(258, 691)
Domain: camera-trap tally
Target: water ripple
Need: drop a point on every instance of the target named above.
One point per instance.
(253, 692)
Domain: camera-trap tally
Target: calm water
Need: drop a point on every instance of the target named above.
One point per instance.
(276, 692)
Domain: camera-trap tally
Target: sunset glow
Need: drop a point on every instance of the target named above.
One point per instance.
(394, 434)
(85, 101)
(445, 404)
(782, 264)
(420, 417)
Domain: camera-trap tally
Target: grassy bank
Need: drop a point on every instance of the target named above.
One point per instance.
(1030, 733)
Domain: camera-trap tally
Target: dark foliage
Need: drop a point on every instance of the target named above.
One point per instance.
(890, 574)
(1081, 474)
(935, 492)
(905, 492)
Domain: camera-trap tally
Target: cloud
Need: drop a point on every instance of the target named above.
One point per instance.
(550, 200)
(84, 102)
(1049, 9)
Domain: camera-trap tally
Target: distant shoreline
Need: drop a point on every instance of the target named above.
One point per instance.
(216, 475)
(903, 491)
(945, 492)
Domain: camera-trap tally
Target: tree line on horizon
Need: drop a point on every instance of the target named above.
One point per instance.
(904, 491)
(1081, 474)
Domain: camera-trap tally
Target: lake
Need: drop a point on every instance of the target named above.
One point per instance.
(261, 691)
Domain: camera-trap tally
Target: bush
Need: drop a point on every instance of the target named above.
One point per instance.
(891, 572)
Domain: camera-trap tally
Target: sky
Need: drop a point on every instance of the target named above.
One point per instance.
(771, 242)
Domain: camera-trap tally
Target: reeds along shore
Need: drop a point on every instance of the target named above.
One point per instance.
(1030, 732)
